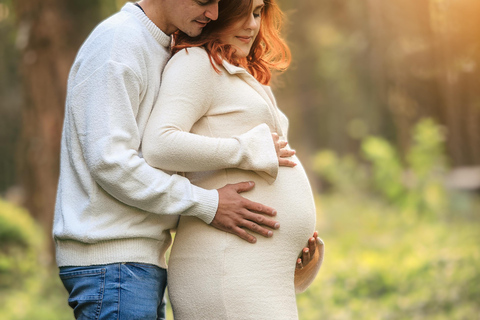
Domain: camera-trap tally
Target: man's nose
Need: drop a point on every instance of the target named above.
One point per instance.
(212, 12)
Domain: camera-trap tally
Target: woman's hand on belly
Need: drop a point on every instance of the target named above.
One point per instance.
(235, 213)
(283, 152)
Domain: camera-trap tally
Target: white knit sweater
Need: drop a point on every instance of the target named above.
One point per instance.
(111, 205)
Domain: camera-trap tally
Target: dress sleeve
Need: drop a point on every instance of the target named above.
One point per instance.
(305, 276)
(188, 85)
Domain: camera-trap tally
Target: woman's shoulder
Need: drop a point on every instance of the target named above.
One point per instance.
(191, 59)
(193, 52)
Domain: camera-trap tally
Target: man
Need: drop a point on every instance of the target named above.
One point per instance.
(114, 212)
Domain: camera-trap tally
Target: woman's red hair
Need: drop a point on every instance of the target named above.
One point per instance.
(269, 51)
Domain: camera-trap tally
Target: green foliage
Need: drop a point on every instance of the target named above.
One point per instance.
(414, 185)
(20, 243)
(379, 265)
(399, 244)
(28, 288)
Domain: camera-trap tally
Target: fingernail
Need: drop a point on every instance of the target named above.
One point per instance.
(274, 212)
(277, 225)
(250, 183)
(270, 233)
(306, 250)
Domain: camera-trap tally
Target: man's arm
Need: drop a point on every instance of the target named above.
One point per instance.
(103, 110)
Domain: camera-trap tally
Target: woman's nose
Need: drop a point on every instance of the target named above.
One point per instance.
(251, 22)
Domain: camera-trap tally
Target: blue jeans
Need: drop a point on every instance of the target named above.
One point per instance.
(121, 291)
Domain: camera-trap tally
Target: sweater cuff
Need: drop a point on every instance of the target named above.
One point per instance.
(261, 156)
(207, 204)
(305, 276)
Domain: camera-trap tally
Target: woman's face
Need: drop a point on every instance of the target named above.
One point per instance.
(242, 33)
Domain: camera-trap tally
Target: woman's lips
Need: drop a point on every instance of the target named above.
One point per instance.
(244, 39)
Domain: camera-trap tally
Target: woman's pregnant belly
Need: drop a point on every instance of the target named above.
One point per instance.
(222, 267)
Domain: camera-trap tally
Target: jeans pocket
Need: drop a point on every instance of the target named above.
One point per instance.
(86, 287)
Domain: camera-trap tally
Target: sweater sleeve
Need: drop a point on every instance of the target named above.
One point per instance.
(188, 86)
(103, 108)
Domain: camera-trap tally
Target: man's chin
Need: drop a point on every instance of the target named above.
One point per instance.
(193, 33)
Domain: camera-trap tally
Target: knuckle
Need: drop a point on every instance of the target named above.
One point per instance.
(242, 233)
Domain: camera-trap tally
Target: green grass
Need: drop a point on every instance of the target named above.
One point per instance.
(379, 264)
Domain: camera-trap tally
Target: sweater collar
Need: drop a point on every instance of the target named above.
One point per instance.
(155, 31)
(264, 91)
(233, 69)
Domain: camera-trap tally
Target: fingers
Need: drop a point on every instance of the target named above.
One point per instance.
(306, 256)
(282, 162)
(259, 208)
(299, 264)
(312, 243)
(241, 186)
(282, 144)
(283, 152)
(308, 252)
(252, 226)
(236, 214)
(254, 221)
(286, 153)
(244, 235)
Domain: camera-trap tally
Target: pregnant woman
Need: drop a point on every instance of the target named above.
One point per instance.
(214, 88)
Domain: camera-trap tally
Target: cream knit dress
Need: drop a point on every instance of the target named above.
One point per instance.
(214, 274)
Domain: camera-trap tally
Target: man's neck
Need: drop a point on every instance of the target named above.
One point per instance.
(153, 11)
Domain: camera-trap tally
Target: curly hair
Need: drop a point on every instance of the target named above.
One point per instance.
(269, 51)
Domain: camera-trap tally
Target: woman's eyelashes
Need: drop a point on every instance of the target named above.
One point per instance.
(257, 14)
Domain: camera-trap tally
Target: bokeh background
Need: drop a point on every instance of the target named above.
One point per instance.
(384, 105)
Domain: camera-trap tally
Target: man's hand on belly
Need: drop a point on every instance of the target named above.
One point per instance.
(235, 213)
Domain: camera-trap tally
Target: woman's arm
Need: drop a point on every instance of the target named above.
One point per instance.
(188, 85)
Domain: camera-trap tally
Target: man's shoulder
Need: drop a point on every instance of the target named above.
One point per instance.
(122, 39)
(120, 29)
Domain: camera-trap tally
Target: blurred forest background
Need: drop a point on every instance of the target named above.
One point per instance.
(384, 106)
